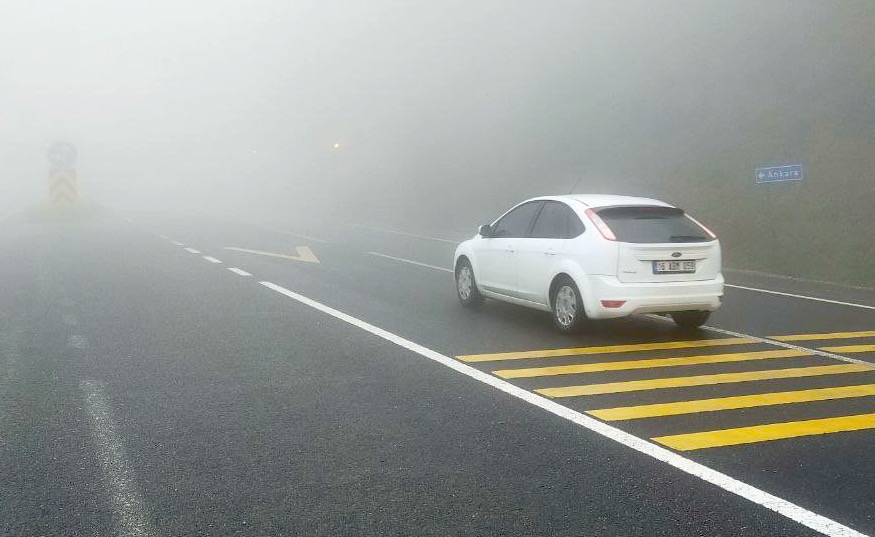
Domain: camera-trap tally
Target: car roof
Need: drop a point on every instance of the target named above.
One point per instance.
(605, 200)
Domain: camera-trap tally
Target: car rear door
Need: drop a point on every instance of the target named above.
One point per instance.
(496, 256)
(538, 254)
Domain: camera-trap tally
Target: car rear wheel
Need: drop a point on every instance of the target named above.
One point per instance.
(466, 285)
(567, 307)
(690, 320)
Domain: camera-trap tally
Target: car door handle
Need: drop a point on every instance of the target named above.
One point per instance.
(550, 253)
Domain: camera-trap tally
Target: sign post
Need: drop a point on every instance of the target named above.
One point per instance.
(62, 175)
(771, 175)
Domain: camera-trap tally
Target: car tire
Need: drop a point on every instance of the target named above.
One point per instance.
(690, 320)
(466, 285)
(567, 306)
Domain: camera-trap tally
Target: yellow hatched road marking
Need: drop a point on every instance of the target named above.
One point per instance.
(728, 403)
(645, 364)
(702, 380)
(549, 353)
(850, 348)
(764, 433)
(833, 335)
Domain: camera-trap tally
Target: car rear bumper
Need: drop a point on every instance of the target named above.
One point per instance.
(705, 295)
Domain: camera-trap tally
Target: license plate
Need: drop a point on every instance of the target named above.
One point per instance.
(674, 267)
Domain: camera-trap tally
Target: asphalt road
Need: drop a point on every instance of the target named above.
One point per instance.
(158, 376)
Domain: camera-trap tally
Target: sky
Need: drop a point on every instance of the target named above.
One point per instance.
(421, 107)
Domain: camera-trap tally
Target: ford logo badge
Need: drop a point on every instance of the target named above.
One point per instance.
(676, 254)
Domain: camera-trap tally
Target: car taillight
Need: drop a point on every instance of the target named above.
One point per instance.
(601, 225)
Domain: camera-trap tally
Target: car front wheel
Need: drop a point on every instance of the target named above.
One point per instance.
(466, 285)
(567, 307)
(690, 320)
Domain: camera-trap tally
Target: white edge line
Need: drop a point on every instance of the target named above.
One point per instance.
(783, 507)
(177, 243)
(410, 261)
(193, 251)
(211, 259)
(128, 506)
(864, 306)
(241, 272)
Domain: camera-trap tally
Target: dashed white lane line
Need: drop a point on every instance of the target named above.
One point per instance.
(69, 319)
(804, 297)
(241, 272)
(177, 243)
(211, 259)
(784, 507)
(401, 259)
(193, 251)
(129, 511)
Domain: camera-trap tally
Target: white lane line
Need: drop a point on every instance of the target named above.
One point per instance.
(69, 319)
(193, 251)
(788, 509)
(241, 272)
(785, 345)
(795, 279)
(773, 342)
(410, 261)
(129, 220)
(177, 243)
(128, 507)
(852, 304)
(211, 259)
(405, 234)
(165, 237)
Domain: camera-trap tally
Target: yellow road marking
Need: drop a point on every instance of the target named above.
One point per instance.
(549, 353)
(850, 348)
(764, 433)
(728, 403)
(645, 364)
(701, 380)
(812, 337)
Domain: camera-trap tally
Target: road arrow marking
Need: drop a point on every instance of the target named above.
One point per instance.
(304, 254)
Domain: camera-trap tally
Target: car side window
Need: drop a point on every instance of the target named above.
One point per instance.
(517, 222)
(557, 221)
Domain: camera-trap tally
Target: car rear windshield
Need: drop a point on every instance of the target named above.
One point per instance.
(652, 225)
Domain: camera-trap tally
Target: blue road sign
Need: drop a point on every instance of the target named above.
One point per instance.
(778, 174)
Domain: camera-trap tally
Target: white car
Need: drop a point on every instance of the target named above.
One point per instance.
(596, 257)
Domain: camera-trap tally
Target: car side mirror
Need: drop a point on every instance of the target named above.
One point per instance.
(485, 231)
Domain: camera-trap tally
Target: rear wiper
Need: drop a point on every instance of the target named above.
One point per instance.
(687, 238)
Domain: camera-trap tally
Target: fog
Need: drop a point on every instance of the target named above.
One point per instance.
(445, 113)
